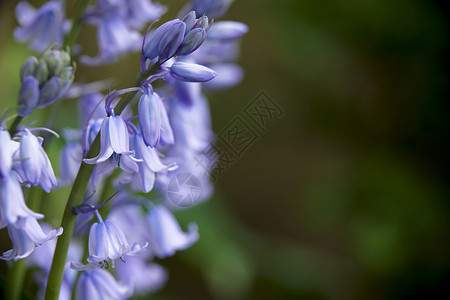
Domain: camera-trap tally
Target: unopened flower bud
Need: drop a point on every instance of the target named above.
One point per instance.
(41, 73)
(189, 19)
(28, 96)
(171, 40)
(192, 41)
(191, 72)
(202, 22)
(29, 67)
(153, 40)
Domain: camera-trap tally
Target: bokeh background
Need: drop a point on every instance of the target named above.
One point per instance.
(345, 196)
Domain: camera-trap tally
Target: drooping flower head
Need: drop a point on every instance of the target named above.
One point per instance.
(43, 26)
(165, 235)
(153, 120)
(116, 23)
(99, 284)
(33, 164)
(25, 236)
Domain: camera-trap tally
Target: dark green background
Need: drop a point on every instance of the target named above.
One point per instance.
(346, 196)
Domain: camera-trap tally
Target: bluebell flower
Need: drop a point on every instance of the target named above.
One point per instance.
(12, 203)
(92, 128)
(153, 120)
(118, 22)
(5, 152)
(91, 107)
(69, 162)
(99, 284)
(108, 243)
(114, 38)
(144, 276)
(227, 30)
(191, 72)
(141, 12)
(150, 165)
(165, 235)
(228, 75)
(211, 8)
(25, 236)
(213, 52)
(114, 138)
(33, 166)
(193, 135)
(43, 26)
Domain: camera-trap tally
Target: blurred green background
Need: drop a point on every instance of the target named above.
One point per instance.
(346, 196)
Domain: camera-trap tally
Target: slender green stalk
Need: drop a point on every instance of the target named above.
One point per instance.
(16, 278)
(77, 22)
(75, 199)
(12, 129)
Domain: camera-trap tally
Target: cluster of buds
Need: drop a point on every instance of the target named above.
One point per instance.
(176, 37)
(44, 80)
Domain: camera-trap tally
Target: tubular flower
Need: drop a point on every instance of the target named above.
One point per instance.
(34, 166)
(12, 204)
(107, 242)
(99, 284)
(42, 26)
(150, 165)
(25, 236)
(165, 234)
(153, 120)
(114, 138)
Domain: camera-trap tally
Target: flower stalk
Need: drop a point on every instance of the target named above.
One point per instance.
(75, 198)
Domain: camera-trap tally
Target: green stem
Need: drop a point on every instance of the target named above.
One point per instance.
(13, 127)
(76, 197)
(77, 21)
(16, 278)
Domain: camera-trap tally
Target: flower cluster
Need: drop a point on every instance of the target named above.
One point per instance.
(23, 163)
(136, 151)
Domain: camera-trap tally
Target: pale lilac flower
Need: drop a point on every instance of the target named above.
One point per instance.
(107, 242)
(114, 138)
(228, 75)
(118, 22)
(34, 166)
(227, 30)
(150, 165)
(153, 120)
(211, 8)
(144, 276)
(42, 26)
(140, 12)
(69, 162)
(5, 153)
(114, 38)
(25, 235)
(12, 203)
(165, 235)
(99, 284)
(92, 107)
(130, 218)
